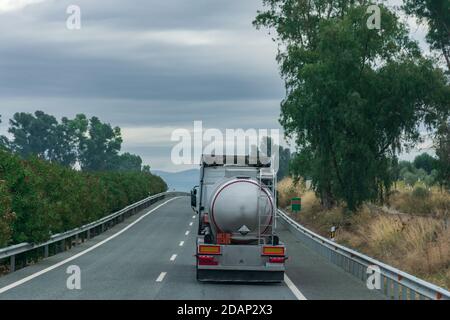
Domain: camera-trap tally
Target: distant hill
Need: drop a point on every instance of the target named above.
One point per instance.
(180, 181)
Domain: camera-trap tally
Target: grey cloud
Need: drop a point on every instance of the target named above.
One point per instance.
(114, 64)
(142, 63)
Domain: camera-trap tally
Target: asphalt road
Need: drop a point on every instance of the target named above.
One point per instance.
(150, 256)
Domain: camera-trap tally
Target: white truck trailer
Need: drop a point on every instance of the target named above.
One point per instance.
(236, 206)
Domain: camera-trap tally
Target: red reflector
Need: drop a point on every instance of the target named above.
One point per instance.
(207, 261)
(276, 259)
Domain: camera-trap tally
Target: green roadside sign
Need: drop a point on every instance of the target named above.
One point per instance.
(296, 204)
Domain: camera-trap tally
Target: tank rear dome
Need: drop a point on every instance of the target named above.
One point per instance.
(234, 205)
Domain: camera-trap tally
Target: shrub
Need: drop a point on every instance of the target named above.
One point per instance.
(47, 198)
(287, 190)
(421, 193)
(6, 216)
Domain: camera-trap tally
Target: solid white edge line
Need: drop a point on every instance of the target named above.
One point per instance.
(37, 274)
(173, 257)
(293, 288)
(181, 243)
(161, 277)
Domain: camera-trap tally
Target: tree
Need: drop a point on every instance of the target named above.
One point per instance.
(91, 143)
(99, 149)
(436, 13)
(425, 162)
(127, 162)
(429, 180)
(6, 215)
(33, 134)
(4, 142)
(43, 136)
(410, 178)
(442, 145)
(353, 95)
(405, 165)
(284, 155)
(146, 169)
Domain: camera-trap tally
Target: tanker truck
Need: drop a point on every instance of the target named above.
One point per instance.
(236, 206)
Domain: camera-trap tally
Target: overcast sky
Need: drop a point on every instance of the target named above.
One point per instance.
(147, 66)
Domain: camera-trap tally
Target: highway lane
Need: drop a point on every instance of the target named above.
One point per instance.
(152, 258)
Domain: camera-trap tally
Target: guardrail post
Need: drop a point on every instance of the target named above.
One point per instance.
(46, 251)
(12, 264)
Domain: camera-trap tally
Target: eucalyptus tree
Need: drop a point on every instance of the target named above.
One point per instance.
(354, 95)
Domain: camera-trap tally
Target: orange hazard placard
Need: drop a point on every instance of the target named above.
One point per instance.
(223, 238)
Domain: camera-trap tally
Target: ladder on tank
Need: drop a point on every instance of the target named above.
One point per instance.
(266, 219)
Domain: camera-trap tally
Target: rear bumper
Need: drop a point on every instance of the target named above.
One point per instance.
(239, 263)
(218, 275)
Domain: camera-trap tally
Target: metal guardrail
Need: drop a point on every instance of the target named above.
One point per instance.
(58, 242)
(394, 283)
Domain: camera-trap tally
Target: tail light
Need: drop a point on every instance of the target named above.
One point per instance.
(276, 259)
(273, 251)
(207, 260)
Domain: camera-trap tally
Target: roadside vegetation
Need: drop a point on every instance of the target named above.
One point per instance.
(38, 199)
(56, 176)
(411, 233)
(356, 98)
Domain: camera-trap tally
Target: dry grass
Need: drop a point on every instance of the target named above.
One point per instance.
(417, 242)
(434, 203)
(287, 190)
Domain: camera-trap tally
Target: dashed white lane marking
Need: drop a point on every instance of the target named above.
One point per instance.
(193, 217)
(173, 257)
(161, 277)
(186, 233)
(190, 224)
(181, 243)
(37, 274)
(293, 288)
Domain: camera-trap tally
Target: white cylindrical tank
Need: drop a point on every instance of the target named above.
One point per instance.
(233, 206)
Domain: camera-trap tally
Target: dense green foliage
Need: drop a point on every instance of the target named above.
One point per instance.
(38, 198)
(436, 13)
(423, 169)
(442, 144)
(90, 143)
(284, 155)
(425, 162)
(354, 96)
